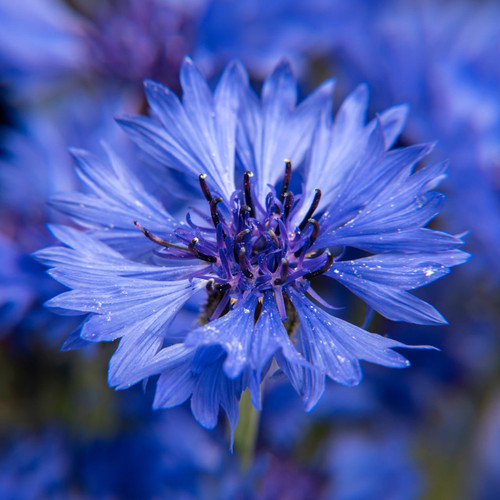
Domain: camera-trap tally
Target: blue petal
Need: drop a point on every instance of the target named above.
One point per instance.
(270, 336)
(384, 210)
(382, 280)
(388, 199)
(411, 241)
(197, 373)
(89, 259)
(123, 303)
(347, 150)
(391, 302)
(176, 382)
(394, 121)
(276, 129)
(248, 346)
(335, 347)
(233, 332)
(351, 116)
(133, 352)
(308, 382)
(197, 136)
(402, 271)
(117, 200)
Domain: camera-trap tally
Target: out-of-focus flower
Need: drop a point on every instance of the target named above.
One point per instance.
(260, 33)
(260, 247)
(34, 467)
(42, 43)
(376, 466)
(125, 42)
(158, 456)
(484, 480)
(85, 44)
(16, 292)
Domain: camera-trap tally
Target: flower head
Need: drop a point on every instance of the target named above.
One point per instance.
(285, 193)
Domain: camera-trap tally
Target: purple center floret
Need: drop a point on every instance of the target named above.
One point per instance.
(252, 248)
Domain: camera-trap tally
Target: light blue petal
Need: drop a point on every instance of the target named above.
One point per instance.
(117, 199)
(335, 347)
(275, 129)
(400, 270)
(88, 261)
(199, 135)
(270, 336)
(132, 353)
(391, 302)
(394, 121)
(208, 386)
(412, 241)
(135, 308)
(233, 332)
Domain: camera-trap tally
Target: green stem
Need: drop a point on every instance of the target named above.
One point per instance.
(245, 435)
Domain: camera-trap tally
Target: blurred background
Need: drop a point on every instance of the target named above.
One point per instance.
(432, 431)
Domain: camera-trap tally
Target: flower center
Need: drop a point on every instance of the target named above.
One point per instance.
(250, 248)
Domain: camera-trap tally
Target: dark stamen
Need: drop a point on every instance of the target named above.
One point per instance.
(221, 307)
(213, 211)
(286, 179)
(198, 254)
(274, 238)
(283, 273)
(288, 203)
(245, 209)
(312, 238)
(241, 236)
(204, 187)
(312, 208)
(157, 239)
(237, 241)
(248, 193)
(244, 264)
(323, 269)
(214, 287)
(315, 232)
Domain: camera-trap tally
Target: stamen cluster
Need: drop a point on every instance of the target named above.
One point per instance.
(253, 248)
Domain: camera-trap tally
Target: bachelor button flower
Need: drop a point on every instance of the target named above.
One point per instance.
(256, 244)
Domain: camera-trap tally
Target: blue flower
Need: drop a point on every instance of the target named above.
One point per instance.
(42, 43)
(255, 250)
(159, 456)
(123, 43)
(34, 466)
(16, 293)
(373, 465)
